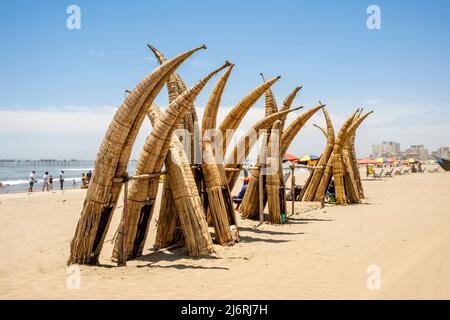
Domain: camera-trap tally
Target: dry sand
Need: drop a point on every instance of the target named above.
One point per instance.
(403, 227)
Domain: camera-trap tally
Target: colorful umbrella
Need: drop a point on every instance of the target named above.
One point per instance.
(393, 160)
(309, 157)
(366, 161)
(411, 160)
(381, 160)
(290, 157)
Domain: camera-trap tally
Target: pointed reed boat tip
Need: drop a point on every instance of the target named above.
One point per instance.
(151, 47)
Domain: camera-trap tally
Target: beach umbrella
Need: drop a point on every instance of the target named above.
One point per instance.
(393, 160)
(366, 161)
(411, 160)
(381, 160)
(309, 157)
(290, 157)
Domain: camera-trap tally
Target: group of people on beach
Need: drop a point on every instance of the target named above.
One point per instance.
(47, 180)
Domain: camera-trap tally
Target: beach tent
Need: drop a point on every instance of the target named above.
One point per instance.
(290, 157)
(366, 161)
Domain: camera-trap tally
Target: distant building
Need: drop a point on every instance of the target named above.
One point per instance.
(443, 152)
(417, 151)
(386, 149)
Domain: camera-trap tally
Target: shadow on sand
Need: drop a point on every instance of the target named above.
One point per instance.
(180, 253)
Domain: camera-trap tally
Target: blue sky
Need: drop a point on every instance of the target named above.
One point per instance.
(59, 87)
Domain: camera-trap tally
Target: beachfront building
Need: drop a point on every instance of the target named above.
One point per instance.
(417, 151)
(386, 149)
(442, 152)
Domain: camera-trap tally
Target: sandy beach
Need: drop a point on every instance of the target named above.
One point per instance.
(402, 228)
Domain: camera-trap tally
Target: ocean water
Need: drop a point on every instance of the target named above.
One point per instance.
(15, 178)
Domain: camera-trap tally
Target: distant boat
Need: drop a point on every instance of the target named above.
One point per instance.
(444, 163)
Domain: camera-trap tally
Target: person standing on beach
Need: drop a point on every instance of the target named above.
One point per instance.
(32, 180)
(88, 176)
(61, 179)
(50, 182)
(45, 181)
(83, 181)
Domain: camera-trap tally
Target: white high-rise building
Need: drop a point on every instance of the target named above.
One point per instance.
(386, 149)
(443, 152)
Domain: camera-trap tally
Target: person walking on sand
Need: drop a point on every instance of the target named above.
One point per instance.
(32, 180)
(61, 179)
(45, 181)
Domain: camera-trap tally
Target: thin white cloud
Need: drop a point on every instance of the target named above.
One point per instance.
(93, 52)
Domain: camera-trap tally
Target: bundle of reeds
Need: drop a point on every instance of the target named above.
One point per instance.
(311, 187)
(190, 217)
(235, 116)
(355, 167)
(176, 86)
(287, 103)
(220, 206)
(242, 149)
(354, 163)
(328, 173)
(111, 162)
(232, 121)
(350, 176)
(336, 168)
(276, 199)
(249, 208)
(168, 227)
(294, 128)
(351, 187)
(276, 191)
(209, 118)
(143, 193)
